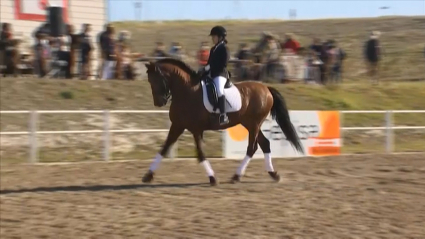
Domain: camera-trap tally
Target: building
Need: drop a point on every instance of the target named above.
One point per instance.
(26, 15)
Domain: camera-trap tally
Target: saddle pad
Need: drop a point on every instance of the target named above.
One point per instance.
(233, 99)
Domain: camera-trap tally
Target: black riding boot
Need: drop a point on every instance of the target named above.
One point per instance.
(222, 106)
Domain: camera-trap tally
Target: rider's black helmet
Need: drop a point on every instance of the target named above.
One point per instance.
(218, 31)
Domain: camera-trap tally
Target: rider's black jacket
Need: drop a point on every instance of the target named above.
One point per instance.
(218, 60)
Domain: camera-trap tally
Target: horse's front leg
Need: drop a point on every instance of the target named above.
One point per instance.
(250, 151)
(201, 158)
(173, 135)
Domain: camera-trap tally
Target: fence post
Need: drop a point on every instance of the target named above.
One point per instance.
(341, 125)
(389, 131)
(106, 135)
(33, 123)
(174, 148)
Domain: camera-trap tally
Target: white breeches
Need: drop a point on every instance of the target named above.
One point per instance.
(108, 70)
(219, 82)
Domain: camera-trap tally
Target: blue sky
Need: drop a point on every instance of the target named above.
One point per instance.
(216, 9)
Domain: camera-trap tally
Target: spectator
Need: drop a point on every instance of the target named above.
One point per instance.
(241, 67)
(372, 53)
(291, 44)
(203, 54)
(272, 54)
(9, 50)
(336, 57)
(41, 54)
(74, 45)
(127, 66)
(101, 43)
(43, 29)
(316, 46)
(64, 54)
(86, 48)
(159, 50)
(243, 52)
(320, 51)
(312, 63)
(176, 50)
(109, 55)
(124, 37)
(124, 58)
(2, 46)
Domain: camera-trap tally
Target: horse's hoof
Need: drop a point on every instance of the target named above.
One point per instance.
(213, 181)
(235, 179)
(148, 177)
(275, 176)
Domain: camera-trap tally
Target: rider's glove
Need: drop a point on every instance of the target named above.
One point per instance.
(203, 70)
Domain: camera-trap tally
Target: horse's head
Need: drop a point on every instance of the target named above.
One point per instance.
(159, 84)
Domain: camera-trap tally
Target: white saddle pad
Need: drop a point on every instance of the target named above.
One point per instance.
(233, 99)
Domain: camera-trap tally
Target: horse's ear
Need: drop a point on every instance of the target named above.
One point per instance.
(150, 66)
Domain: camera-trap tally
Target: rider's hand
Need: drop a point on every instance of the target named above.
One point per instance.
(201, 71)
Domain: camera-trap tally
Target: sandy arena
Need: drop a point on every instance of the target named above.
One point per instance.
(341, 197)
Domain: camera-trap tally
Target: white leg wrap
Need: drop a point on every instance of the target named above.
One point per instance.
(243, 166)
(268, 162)
(156, 162)
(208, 168)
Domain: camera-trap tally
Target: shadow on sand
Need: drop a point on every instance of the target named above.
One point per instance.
(95, 188)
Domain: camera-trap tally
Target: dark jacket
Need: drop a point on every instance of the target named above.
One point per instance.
(109, 50)
(3, 41)
(85, 44)
(6, 44)
(218, 60)
(102, 40)
(243, 54)
(320, 50)
(372, 50)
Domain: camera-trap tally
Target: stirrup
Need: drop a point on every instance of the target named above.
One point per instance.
(223, 119)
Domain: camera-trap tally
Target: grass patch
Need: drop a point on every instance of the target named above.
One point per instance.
(67, 95)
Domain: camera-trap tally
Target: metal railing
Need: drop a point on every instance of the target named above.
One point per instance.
(33, 128)
(389, 124)
(106, 132)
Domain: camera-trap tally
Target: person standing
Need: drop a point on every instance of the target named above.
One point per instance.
(109, 56)
(86, 49)
(101, 39)
(372, 52)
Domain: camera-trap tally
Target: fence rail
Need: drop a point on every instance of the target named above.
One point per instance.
(33, 126)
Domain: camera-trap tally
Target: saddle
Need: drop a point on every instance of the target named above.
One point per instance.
(212, 90)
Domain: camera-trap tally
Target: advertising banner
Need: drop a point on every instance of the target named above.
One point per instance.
(319, 132)
(36, 10)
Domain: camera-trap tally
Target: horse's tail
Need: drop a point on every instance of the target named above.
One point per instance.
(280, 113)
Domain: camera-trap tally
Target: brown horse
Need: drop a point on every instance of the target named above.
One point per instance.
(193, 108)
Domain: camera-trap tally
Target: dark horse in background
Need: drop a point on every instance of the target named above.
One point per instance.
(194, 108)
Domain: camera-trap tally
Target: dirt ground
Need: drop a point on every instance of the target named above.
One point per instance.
(340, 197)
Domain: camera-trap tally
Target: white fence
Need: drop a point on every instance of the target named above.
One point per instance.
(106, 132)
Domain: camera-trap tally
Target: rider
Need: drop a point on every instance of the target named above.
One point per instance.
(217, 67)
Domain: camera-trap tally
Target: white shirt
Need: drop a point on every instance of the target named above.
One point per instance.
(66, 43)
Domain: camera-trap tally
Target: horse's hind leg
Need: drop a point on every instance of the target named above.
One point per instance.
(265, 147)
(173, 135)
(251, 149)
(201, 157)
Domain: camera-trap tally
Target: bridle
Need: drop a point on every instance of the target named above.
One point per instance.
(165, 83)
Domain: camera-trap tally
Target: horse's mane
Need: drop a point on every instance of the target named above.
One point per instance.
(181, 64)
